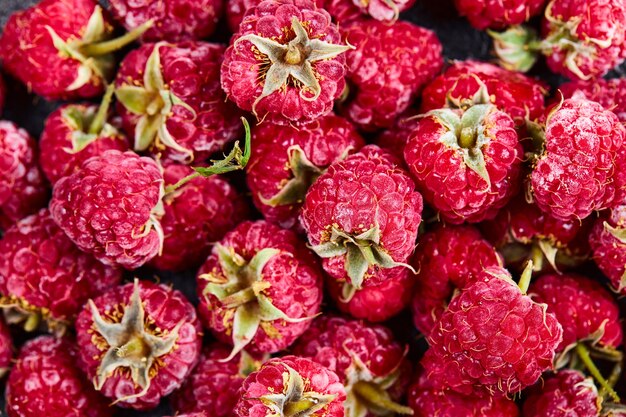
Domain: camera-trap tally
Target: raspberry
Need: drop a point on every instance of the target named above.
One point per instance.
(367, 359)
(213, 387)
(576, 173)
(74, 133)
(111, 208)
(291, 386)
(61, 49)
(23, 190)
(171, 102)
(466, 163)
(498, 14)
(44, 276)
(285, 162)
(447, 259)
(195, 215)
(382, 10)
(610, 93)
(45, 382)
(394, 139)
(259, 288)
(174, 20)
(362, 216)
(608, 242)
(285, 64)
(388, 68)
(493, 339)
(6, 349)
(139, 342)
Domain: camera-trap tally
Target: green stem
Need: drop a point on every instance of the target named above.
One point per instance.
(107, 47)
(378, 399)
(103, 111)
(32, 322)
(583, 354)
(527, 274)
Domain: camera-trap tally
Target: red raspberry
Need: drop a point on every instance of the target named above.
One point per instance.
(195, 215)
(362, 216)
(565, 394)
(386, 11)
(585, 309)
(388, 68)
(259, 288)
(493, 339)
(45, 382)
(174, 20)
(23, 190)
(291, 386)
(608, 242)
(44, 276)
(286, 62)
(111, 208)
(466, 163)
(139, 342)
(610, 93)
(369, 362)
(57, 48)
(394, 139)
(171, 101)
(498, 14)
(285, 161)
(72, 134)
(447, 259)
(213, 387)
(199, 414)
(460, 85)
(6, 349)
(576, 173)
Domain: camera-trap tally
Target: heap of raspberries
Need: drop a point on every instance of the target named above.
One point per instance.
(313, 208)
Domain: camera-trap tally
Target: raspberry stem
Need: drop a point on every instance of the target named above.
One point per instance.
(527, 274)
(107, 47)
(583, 354)
(378, 399)
(101, 116)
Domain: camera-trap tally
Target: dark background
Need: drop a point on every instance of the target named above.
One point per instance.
(459, 39)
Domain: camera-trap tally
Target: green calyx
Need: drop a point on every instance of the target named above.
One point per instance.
(304, 173)
(95, 49)
(517, 48)
(153, 102)
(241, 288)
(362, 251)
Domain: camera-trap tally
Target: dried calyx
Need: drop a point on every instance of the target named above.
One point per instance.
(17, 310)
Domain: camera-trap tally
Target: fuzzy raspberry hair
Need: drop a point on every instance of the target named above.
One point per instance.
(285, 162)
(498, 14)
(44, 276)
(147, 326)
(6, 349)
(111, 208)
(388, 68)
(608, 242)
(46, 382)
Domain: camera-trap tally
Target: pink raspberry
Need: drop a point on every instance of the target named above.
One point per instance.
(286, 62)
(608, 242)
(285, 161)
(498, 14)
(6, 349)
(611, 94)
(196, 215)
(171, 102)
(111, 208)
(46, 382)
(388, 68)
(362, 216)
(259, 288)
(381, 10)
(45, 277)
(139, 342)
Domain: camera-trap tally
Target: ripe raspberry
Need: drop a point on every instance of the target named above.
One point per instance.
(61, 49)
(214, 385)
(467, 164)
(565, 394)
(174, 20)
(285, 162)
(585, 309)
(6, 349)
(608, 242)
(498, 14)
(369, 362)
(610, 93)
(195, 215)
(394, 139)
(291, 386)
(46, 382)
(362, 216)
(447, 259)
(388, 68)
(111, 208)
(171, 101)
(23, 190)
(74, 133)
(285, 63)
(576, 173)
(44, 276)
(382, 10)
(259, 288)
(139, 342)
(493, 339)
(460, 85)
